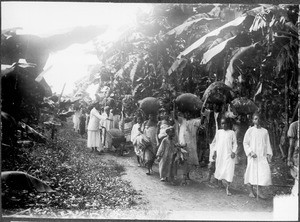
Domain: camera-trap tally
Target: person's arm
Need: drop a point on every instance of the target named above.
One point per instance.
(97, 114)
(292, 143)
(161, 149)
(292, 134)
(269, 148)
(197, 123)
(234, 145)
(214, 148)
(179, 119)
(246, 143)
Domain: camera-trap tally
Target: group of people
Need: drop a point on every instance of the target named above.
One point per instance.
(171, 134)
(170, 139)
(95, 124)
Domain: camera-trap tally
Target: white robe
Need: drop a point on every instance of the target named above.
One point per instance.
(93, 135)
(224, 144)
(76, 120)
(135, 133)
(187, 135)
(258, 170)
(107, 122)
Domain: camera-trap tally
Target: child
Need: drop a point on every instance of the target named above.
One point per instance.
(162, 125)
(165, 156)
(135, 133)
(258, 151)
(82, 120)
(225, 147)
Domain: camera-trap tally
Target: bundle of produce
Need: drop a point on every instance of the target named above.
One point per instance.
(188, 102)
(128, 104)
(108, 101)
(149, 105)
(217, 92)
(243, 105)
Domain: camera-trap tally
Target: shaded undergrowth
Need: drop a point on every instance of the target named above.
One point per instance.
(80, 179)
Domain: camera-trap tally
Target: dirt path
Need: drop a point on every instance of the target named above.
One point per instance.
(196, 200)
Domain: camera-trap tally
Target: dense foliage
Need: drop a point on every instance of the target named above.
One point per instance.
(183, 48)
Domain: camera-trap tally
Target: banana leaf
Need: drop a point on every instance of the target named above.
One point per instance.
(243, 53)
(188, 102)
(243, 105)
(223, 30)
(181, 28)
(212, 52)
(226, 31)
(217, 92)
(17, 180)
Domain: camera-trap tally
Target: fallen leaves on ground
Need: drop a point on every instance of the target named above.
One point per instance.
(81, 180)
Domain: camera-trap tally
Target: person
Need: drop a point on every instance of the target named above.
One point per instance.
(225, 148)
(107, 123)
(82, 120)
(162, 125)
(135, 133)
(240, 127)
(116, 118)
(293, 153)
(76, 120)
(258, 151)
(165, 156)
(150, 130)
(187, 137)
(93, 136)
(126, 123)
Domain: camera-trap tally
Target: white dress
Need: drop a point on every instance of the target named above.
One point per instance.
(224, 144)
(76, 120)
(93, 137)
(187, 135)
(135, 133)
(258, 170)
(107, 122)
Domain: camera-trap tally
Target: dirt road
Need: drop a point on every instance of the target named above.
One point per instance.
(197, 200)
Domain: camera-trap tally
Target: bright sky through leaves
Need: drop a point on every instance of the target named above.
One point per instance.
(48, 18)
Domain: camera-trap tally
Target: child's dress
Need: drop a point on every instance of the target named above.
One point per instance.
(224, 144)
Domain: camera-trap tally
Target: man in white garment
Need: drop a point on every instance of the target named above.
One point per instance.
(259, 153)
(93, 137)
(293, 154)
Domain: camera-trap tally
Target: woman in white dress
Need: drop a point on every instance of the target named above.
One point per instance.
(136, 132)
(224, 147)
(258, 151)
(107, 123)
(76, 119)
(93, 136)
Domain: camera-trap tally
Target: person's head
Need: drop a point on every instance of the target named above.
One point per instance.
(170, 132)
(152, 117)
(225, 123)
(97, 106)
(217, 107)
(256, 119)
(139, 119)
(162, 113)
(106, 109)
